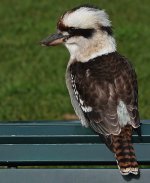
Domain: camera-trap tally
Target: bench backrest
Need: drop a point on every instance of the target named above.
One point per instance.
(57, 144)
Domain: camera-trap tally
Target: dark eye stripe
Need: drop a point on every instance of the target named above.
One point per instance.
(81, 32)
(107, 29)
(75, 31)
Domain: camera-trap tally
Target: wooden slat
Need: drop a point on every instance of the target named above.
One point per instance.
(70, 176)
(54, 132)
(47, 143)
(48, 154)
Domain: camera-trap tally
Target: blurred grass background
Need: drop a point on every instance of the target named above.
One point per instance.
(32, 77)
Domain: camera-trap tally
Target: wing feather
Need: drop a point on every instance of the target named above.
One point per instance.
(100, 85)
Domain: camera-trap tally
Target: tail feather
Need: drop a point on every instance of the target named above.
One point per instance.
(124, 152)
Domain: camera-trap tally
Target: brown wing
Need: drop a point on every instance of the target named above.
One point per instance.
(100, 84)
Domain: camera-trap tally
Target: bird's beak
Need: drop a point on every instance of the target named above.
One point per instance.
(53, 39)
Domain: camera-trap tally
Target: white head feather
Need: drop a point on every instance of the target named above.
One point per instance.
(86, 17)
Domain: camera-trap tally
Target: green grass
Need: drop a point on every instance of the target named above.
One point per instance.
(32, 77)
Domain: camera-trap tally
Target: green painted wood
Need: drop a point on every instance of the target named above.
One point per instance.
(56, 132)
(57, 142)
(70, 176)
(58, 154)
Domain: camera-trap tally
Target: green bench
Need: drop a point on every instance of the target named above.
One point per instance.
(63, 152)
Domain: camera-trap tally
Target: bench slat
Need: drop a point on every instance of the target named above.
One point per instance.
(56, 132)
(47, 143)
(47, 154)
(69, 176)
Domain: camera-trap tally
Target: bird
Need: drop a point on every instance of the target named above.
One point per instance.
(102, 83)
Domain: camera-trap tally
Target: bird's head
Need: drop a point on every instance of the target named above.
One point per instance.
(85, 31)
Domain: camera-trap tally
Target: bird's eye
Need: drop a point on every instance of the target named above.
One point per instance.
(71, 30)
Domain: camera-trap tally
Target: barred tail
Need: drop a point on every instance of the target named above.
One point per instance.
(124, 152)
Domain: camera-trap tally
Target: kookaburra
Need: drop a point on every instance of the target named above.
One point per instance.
(102, 84)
